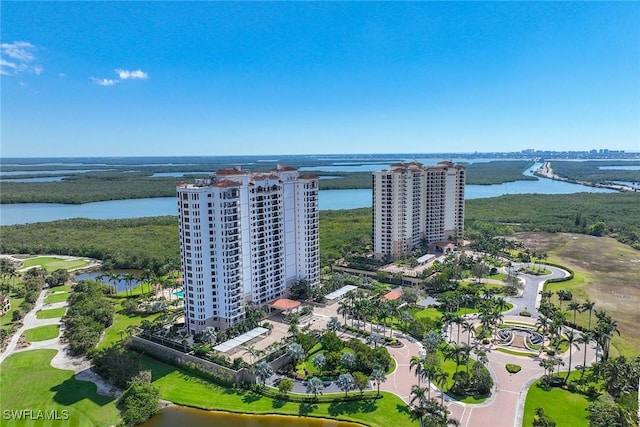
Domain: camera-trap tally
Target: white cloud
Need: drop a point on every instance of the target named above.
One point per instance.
(18, 57)
(104, 82)
(131, 75)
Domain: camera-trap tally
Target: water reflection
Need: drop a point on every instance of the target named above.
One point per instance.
(181, 416)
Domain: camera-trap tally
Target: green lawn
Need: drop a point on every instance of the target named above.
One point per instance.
(185, 389)
(27, 380)
(52, 264)
(57, 297)
(51, 313)
(65, 288)
(564, 407)
(120, 323)
(42, 333)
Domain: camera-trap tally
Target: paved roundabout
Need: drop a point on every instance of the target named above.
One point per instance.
(505, 406)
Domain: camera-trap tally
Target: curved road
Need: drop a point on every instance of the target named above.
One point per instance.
(506, 405)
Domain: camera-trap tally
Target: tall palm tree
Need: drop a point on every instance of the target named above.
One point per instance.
(588, 306)
(571, 338)
(417, 364)
(114, 278)
(585, 338)
(575, 307)
(129, 278)
(441, 378)
(378, 376)
(469, 329)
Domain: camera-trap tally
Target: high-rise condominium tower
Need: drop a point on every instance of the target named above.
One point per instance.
(245, 237)
(413, 203)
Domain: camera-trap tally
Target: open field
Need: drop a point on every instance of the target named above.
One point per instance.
(52, 264)
(28, 381)
(606, 272)
(42, 333)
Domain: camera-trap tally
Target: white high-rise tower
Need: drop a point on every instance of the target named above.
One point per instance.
(245, 237)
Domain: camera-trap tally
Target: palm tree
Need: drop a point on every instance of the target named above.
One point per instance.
(346, 383)
(588, 305)
(441, 378)
(334, 324)
(114, 278)
(469, 329)
(251, 351)
(585, 338)
(129, 278)
(378, 376)
(315, 386)
(375, 340)
(348, 361)
(263, 371)
(417, 364)
(571, 338)
(575, 307)
(605, 328)
(319, 361)
(465, 350)
(295, 352)
(209, 334)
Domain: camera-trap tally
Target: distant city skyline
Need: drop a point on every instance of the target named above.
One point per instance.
(214, 78)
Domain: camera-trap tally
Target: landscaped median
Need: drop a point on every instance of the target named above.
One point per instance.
(42, 333)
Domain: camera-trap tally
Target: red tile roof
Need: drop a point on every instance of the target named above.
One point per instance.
(393, 295)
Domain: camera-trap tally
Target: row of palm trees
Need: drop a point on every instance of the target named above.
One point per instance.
(555, 317)
(362, 307)
(146, 277)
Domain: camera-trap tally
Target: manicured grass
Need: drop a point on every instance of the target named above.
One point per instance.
(57, 297)
(564, 407)
(42, 333)
(28, 381)
(65, 288)
(121, 321)
(51, 313)
(52, 264)
(431, 312)
(185, 389)
(516, 353)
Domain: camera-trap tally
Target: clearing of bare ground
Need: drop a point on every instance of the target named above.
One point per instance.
(606, 271)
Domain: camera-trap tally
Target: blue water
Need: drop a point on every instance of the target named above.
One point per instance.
(121, 285)
(621, 168)
(43, 179)
(22, 213)
(179, 294)
(41, 172)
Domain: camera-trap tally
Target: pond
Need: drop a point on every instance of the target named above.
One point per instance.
(181, 416)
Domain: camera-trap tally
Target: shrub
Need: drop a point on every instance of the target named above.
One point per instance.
(525, 314)
(512, 368)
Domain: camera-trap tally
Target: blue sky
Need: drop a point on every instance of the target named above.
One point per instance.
(215, 78)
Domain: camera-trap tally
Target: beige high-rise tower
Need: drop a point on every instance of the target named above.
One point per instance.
(414, 203)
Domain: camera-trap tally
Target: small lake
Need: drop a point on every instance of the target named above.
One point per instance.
(23, 213)
(181, 416)
(121, 284)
